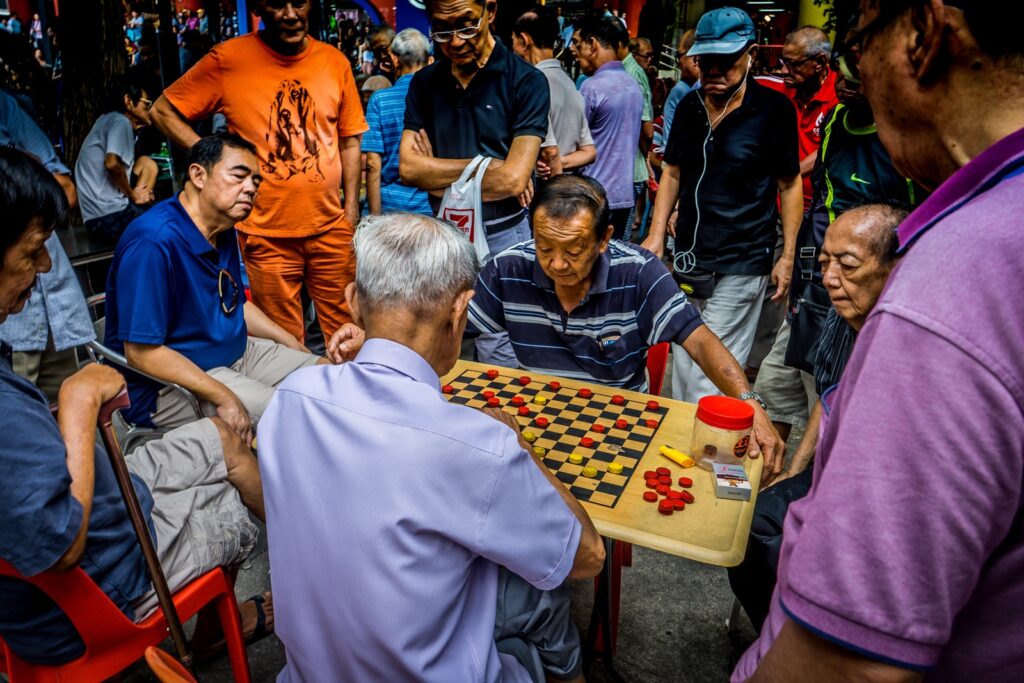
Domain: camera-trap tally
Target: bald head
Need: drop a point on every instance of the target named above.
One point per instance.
(876, 224)
(811, 41)
(686, 41)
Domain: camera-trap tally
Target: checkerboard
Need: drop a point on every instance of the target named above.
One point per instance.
(571, 418)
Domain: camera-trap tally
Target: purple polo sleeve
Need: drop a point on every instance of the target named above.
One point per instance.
(145, 285)
(919, 484)
(527, 527)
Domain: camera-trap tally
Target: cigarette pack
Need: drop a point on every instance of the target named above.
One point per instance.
(731, 481)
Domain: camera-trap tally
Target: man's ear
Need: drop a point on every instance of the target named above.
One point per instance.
(197, 174)
(607, 238)
(459, 307)
(352, 297)
(927, 50)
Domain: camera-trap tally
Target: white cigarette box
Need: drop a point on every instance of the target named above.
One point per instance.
(731, 481)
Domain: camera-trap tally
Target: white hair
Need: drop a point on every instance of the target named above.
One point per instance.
(412, 262)
(410, 47)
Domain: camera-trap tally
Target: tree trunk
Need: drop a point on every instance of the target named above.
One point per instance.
(93, 55)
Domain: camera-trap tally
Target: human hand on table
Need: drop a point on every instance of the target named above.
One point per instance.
(345, 343)
(765, 440)
(510, 420)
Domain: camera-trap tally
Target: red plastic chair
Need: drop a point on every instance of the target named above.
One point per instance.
(657, 361)
(112, 641)
(166, 668)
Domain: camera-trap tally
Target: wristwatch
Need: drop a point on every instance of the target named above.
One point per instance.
(747, 395)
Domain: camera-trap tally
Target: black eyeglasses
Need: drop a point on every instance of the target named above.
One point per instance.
(233, 289)
(794, 63)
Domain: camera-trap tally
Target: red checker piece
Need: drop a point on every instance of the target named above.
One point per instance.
(651, 424)
(599, 428)
(686, 495)
(662, 489)
(493, 402)
(488, 394)
(447, 389)
(554, 385)
(650, 496)
(541, 421)
(666, 506)
(650, 474)
(586, 442)
(518, 400)
(678, 503)
(685, 482)
(524, 380)
(618, 400)
(653, 483)
(621, 424)
(675, 495)
(666, 480)
(585, 393)
(524, 410)
(663, 472)
(492, 373)
(652, 405)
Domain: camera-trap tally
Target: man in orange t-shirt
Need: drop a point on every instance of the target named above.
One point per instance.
(295, 98)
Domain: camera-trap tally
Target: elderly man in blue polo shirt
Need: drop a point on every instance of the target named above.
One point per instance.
(419, 540)
(176, 308)
(579, 304)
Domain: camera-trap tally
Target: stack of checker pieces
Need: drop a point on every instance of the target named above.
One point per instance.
(561, 423)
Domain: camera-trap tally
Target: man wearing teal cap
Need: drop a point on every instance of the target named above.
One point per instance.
(732, 161)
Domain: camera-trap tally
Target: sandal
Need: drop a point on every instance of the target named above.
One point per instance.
(208, 652)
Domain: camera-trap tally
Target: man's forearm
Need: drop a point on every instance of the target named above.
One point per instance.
(708, 352)
(805, 451)
(172, 124)
(258, 324)
(373, 164)
(168, 365)
(77, 412)
(791, 198)
(646, 137)
(351, 167)
(119, 177)
(665, 201)
(581, 157)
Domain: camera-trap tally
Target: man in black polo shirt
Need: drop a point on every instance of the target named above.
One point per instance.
(731, 159)
(478, 99)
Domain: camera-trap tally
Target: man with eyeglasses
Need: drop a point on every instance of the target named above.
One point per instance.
(112, 184)
(732, 162)
(637, 70)
(477, 99)
(809, 82)
(905, 562)
(176, 309)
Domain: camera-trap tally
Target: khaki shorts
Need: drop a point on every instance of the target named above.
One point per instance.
(253, 378)
(789, 393)
(199, 517)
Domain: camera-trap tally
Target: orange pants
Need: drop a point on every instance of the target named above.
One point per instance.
(279, 266)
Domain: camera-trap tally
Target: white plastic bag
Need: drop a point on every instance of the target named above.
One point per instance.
(462, 205)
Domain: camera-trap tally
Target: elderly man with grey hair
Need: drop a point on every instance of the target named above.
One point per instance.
(415, 539)
(385, 112)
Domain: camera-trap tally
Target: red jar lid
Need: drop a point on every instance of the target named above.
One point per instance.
(725, 413)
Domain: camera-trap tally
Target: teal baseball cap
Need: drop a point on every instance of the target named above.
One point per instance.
(723, 31)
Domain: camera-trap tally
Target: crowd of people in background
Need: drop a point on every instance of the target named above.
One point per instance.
(752, 214)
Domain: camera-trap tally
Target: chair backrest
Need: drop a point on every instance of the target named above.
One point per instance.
(100, 624)
(657, 360)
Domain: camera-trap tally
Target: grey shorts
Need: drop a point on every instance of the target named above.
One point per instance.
(535, 626)
(789, 393)
(253, 378)
(199, 517)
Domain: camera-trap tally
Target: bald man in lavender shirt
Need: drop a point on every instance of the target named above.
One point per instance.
(410, 538)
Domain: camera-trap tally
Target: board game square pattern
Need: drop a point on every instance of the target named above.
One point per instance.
(570, 418)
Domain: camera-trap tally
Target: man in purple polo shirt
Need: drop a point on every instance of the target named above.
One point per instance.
(418, 539)
(613, 105)
(906, 560)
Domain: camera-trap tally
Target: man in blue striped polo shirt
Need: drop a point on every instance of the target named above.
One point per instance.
(385, 114)
(578, 304)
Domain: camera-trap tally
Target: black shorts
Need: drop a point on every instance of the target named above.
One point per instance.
(109, 228)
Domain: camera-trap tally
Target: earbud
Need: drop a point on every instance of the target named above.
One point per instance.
(750, 62)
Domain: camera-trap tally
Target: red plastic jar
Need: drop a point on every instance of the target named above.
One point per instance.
(721, 430)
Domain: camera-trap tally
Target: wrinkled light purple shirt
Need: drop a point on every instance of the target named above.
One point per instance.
(613, 105)
(388, 513)
(909, 547)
